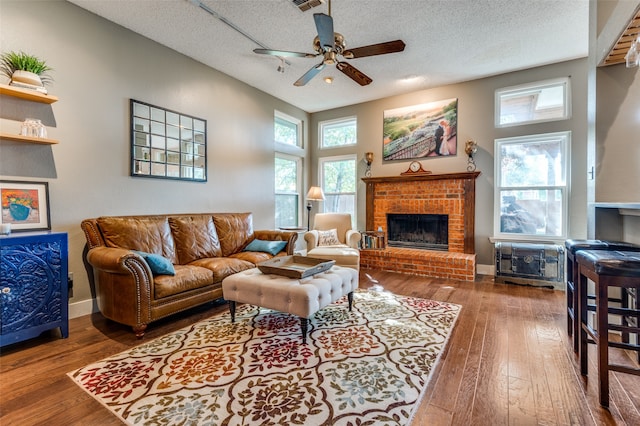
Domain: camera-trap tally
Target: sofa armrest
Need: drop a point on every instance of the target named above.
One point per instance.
(124, 286)
(353, 238)
(311, 237)
(116, 260)
(276, 235)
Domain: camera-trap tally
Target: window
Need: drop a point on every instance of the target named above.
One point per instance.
(287, 135)
(532, 186)
(338, 180)
(337, 133)
(287, 196)
(532, 103)
(287, 130)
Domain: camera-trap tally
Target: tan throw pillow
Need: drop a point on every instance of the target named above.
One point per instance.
(328, 238)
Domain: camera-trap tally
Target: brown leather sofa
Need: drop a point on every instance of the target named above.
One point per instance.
(203, 249)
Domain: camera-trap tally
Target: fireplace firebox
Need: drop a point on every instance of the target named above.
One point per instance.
(421, 231)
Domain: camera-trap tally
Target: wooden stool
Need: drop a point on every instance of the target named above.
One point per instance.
(607, 269)
(573, 246)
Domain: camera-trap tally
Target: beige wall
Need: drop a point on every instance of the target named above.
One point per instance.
(475, 121)
(618, 135)
(99, 66)
(615, 151)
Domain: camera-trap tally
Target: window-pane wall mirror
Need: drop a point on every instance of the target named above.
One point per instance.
(167, 144)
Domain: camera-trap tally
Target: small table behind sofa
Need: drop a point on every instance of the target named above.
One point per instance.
(302, 297)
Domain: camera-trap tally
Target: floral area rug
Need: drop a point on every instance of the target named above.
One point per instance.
(365, 367)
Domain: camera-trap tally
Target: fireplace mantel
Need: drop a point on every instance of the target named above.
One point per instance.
(439, 176)
(407, 193)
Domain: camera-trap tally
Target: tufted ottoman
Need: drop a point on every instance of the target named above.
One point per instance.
(302, 297)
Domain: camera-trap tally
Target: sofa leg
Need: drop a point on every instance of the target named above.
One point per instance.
(232, 310)
(139, 330)
(350, 297)
(304, 325)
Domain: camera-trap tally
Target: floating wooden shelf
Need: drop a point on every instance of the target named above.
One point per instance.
(27, 139)
(619, 50)
(29, 95)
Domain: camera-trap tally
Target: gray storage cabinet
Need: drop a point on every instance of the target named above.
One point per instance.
(531, 264)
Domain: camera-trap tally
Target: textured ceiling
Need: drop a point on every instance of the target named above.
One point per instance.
(447, 41)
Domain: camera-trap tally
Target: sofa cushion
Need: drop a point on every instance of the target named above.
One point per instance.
(271, 247)
(195, 237)
(255, 257)
(159, 265)
(150, 234)
(186, 278)
(235, 230)
(222, 267)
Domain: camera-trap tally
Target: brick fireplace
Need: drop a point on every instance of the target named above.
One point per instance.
(451, 194)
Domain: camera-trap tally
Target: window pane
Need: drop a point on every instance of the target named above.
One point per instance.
(531, 185)
(340, 203)
(532, 212)
(542, 101)
(339, 185)
(286, 175)
(287, 190)
(537, 163)
(286, 210)
(339, 176)
(338, 133)
(285, 132)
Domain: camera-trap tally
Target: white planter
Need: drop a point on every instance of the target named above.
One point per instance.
(26, 77)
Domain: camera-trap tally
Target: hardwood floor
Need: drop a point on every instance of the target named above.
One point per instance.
(508, 361)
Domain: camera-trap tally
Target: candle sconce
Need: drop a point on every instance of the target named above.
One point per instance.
(470, 148)
(368, 158)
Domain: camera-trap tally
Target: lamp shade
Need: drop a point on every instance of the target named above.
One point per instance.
(368, 158)
(315, 194)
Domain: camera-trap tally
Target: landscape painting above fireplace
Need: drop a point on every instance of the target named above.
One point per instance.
(421, 131)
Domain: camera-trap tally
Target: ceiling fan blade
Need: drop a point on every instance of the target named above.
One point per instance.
(284, 53)
(324, 24)
(354, 73)
(309, 75)
(375, 49)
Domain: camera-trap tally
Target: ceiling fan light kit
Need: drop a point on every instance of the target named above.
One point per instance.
(331, 45)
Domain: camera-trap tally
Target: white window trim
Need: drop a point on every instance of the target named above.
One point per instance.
(283, 147)
(324, 123)
(323, 160)
(498, 235)
(534, 87)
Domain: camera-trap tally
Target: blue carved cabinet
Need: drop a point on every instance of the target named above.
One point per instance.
(33, 285)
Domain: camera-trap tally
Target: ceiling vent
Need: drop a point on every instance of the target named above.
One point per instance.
(305, 5)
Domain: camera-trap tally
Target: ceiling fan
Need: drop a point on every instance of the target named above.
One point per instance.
(330, 46)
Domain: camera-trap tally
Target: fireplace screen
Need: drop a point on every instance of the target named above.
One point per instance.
(422, 231)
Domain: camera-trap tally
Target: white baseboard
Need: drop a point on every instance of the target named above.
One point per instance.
(485, 269)
(82, 308)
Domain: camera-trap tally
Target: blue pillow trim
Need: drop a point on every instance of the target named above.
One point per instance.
(159, 265)
(271, 247)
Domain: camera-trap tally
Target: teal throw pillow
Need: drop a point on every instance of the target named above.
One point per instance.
(159, 265)
(271, 247)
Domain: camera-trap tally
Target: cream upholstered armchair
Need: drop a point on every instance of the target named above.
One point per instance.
(332, 238)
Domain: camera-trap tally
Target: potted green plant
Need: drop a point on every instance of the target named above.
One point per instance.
(24, 69)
